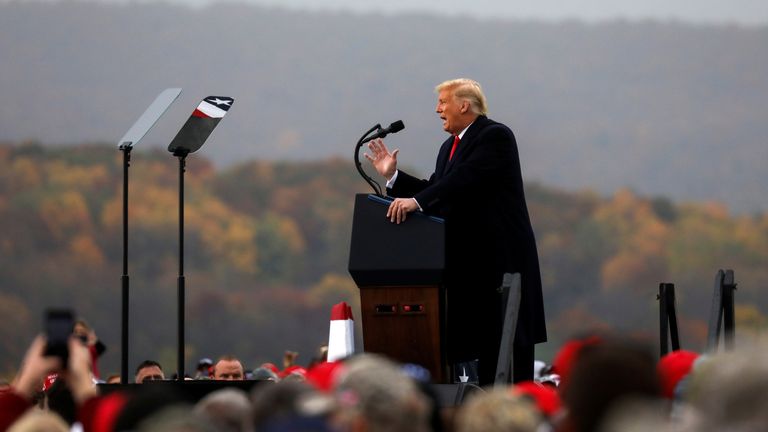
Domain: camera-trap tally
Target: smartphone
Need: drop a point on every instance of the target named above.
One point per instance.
(58, 325)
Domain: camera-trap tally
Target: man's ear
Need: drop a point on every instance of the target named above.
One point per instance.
(464, 107)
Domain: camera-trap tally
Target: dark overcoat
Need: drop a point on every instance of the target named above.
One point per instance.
(479, 193)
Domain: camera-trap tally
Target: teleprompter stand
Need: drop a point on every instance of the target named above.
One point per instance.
(131, 138)
(188, 140)
(399, 271)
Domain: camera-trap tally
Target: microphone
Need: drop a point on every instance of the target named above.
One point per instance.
(395, 127)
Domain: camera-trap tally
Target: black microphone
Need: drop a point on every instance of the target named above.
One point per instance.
(381, 133)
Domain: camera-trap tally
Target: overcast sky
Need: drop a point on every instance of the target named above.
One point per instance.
(745, 12)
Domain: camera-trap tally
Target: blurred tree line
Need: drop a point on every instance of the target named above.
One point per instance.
(266, 250)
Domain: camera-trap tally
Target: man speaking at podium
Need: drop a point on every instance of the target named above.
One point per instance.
(477, 187)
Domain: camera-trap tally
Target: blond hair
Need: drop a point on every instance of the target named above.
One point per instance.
(497, 410)
(39, 421)
(468, 90)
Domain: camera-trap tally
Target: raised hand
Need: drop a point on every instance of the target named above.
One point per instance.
(78, 374)
(34, 368)
(382, 160)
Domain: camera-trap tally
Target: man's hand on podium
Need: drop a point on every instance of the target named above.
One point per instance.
(400, 208)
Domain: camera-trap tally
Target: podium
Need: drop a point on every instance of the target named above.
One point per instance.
(399, 271)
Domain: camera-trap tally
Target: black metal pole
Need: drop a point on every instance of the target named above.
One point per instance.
(716, 313)
(674, 334)
(663, 320)
(729, 322)
(126, 149)
(180, 353)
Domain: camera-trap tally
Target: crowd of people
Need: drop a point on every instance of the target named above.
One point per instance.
(596, 383)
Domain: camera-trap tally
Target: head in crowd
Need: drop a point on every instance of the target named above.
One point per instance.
(178, 418)
(497, 410)
(566, 356)
(373, 393)
(145, 406)
(544, 396)
(81, 330)
(290, 405)
(228, 409)
(149, 370)
(672, 369)
(204, 366)
(293, 373)
(271, 366)
(228, 368)
(323, 376)
(603, 376)
(642, 416)
(728, 389)
(264, 374)
(113, 379)
(39, 421)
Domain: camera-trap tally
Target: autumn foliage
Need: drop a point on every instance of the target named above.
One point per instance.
(267, 243)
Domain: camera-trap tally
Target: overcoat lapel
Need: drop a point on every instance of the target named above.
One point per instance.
(464, 145)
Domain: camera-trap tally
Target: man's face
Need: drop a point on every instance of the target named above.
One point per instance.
(149, 373)
(452, 111)
(228, 370)
(81, 332)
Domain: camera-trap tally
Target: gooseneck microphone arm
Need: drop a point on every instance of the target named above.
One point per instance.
(374, 185)
(380, 133)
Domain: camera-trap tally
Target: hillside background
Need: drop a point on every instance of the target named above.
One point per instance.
(644, 147)
(664, 108)
(266, 250)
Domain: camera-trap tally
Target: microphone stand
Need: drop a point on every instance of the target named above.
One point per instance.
(374, 185)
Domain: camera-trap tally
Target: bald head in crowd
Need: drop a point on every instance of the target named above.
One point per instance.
(228, 368)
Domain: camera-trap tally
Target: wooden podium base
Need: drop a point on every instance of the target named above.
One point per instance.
(404, 323)
(399, 270)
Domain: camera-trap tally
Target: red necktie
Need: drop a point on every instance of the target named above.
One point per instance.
(453, 149)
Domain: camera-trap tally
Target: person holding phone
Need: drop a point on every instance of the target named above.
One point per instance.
(96, 348)
(38, 364)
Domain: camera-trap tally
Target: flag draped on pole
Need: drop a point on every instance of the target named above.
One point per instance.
(341, 339)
